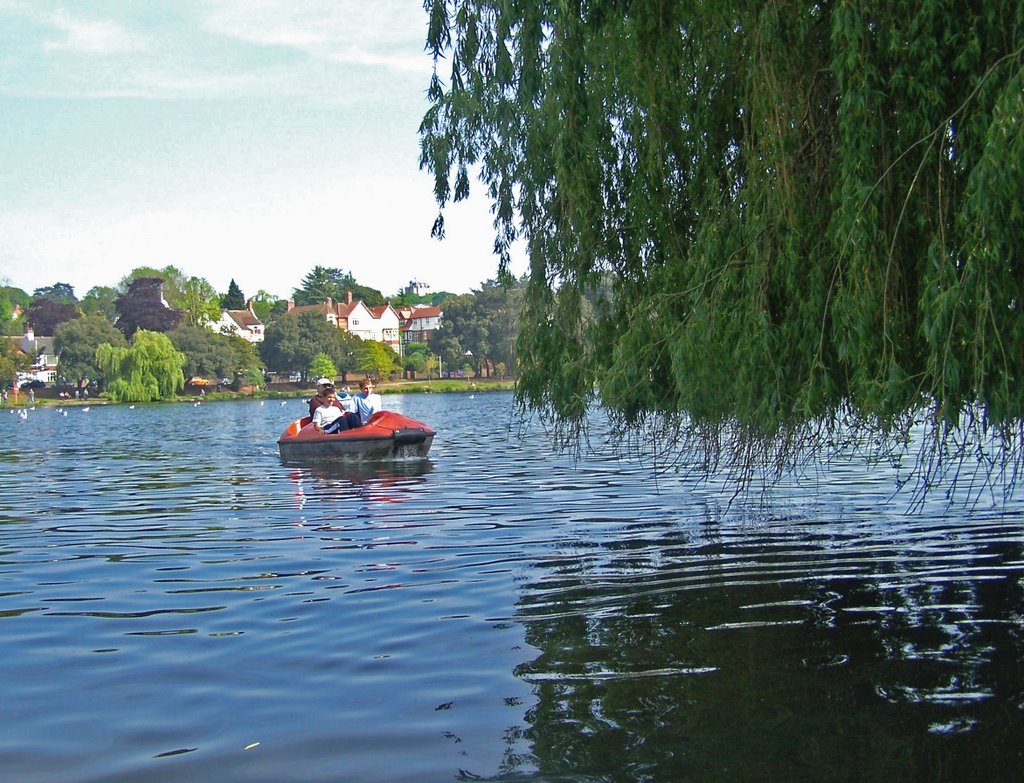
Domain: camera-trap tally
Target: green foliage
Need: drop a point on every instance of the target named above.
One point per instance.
(148, 369)
(322, 367)
(58, 292)
(172, 277)
(378, 360)
(6, 313)
(100, 299)
(199, 302)
(76, 342)
(483, 324)
(293, 340)
(16, 296)
(11, 362)
(212, 355)
(415, 356)
(324, 282)
(263, 305)
(234, 299)
(750, 220)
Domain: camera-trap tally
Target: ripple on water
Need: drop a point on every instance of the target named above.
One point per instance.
(180, 604)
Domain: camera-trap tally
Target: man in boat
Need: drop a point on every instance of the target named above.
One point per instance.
(318, 399)
(367, 402)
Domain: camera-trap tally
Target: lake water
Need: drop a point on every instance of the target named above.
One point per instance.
(176, 604)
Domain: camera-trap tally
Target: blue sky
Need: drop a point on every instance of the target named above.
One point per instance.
(245, 139)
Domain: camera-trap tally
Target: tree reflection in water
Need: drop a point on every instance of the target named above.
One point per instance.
(820, 654)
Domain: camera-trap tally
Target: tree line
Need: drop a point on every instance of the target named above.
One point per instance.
(143, 338)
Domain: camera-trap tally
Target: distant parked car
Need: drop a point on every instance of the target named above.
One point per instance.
(36, 384)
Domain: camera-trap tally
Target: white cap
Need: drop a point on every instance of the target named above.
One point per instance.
(322, 381)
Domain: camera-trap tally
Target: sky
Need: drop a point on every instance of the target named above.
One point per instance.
(233, 139)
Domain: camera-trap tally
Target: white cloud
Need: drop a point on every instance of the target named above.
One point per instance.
(86, 36)
(356, 32)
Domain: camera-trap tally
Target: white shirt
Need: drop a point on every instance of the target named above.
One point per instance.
(326, 414)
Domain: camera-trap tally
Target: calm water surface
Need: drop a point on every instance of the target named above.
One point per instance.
(176, 604)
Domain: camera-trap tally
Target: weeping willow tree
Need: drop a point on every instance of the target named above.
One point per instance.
(768, 225)
(148, 369)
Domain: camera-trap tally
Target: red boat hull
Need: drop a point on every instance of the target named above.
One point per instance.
(387, 435)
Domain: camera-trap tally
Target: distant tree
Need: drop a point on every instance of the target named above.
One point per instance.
(322, 367)
(263, 303)
(58, 292)
(415, 356)
(76, 342)
(234, 299)
(430, 364)
(378, 360)
(464, 329)
(16, 296)
(291, 342)
(323, 282)
(208, 354)
(45, 315)
(199, 302)
(147, 369)
(6, 313)
(141, 306)
(347, 350)
(174, 281)
(12, 361)
(100, 299)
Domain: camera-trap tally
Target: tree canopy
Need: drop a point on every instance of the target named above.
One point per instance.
(212, 355)
(801, 213)
(234, 299)
(142, 306)
(322, 282)
(76, 342)
(294, 340)
(44, 315)
(147, 369)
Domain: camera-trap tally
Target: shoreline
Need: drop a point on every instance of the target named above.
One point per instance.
(445, 386)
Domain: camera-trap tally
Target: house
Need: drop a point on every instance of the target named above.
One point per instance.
(244, 323)
(381, 323)
(420, 324)
(388, 324)
(44, 366)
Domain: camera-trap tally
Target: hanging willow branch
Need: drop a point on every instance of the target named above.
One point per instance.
(772, 226)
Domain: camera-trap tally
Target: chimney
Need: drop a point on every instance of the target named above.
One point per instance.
(348, 297)
(248, 306)
(291, 305)
(329, 302)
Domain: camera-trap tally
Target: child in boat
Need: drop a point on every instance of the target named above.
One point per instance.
(331, 416)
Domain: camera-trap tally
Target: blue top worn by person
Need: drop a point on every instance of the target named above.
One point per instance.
(367, 402)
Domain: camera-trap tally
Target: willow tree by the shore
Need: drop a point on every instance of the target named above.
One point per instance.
(148, 369)
(805, 218)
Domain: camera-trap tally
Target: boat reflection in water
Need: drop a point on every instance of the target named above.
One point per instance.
(382, 481)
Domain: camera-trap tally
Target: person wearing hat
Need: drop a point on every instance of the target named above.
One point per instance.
(319, 398)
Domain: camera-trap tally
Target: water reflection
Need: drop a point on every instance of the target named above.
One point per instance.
(171, 594)
(796, 653)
